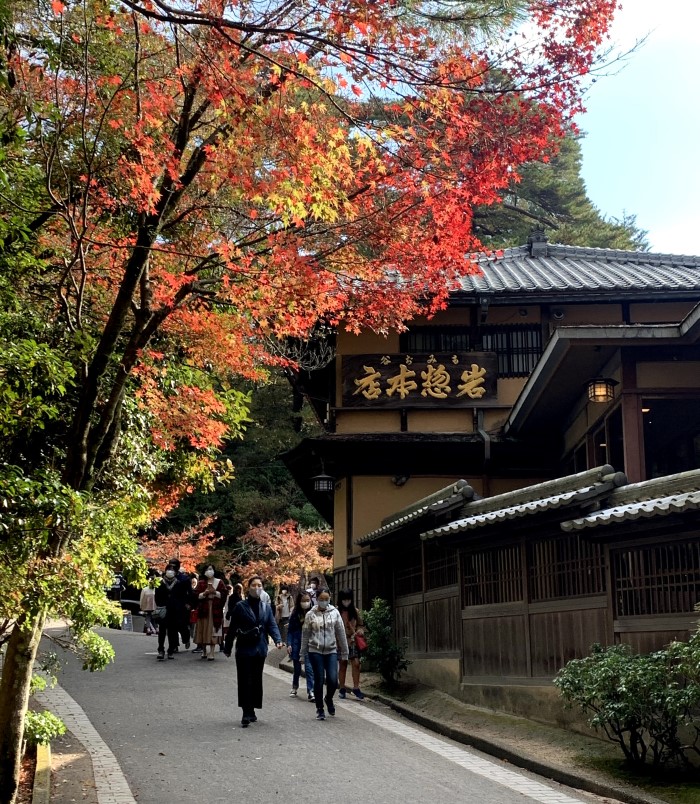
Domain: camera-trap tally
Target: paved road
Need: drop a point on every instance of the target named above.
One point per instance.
(174, 730)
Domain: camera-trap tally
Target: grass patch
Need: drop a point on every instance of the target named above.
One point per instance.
(676, 787)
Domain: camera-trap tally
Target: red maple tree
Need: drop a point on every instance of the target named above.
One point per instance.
(191, 546)
(282, 553)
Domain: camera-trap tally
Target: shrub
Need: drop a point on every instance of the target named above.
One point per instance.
(41, 727)
(649, 705)
(388, 656)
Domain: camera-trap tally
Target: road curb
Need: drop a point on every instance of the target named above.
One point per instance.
(514, 757)
(509, 755)
(41, 790)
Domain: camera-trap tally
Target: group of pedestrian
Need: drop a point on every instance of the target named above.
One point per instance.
(183, 608)
(209, 612)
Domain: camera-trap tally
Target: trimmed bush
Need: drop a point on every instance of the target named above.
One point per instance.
(648, 705)
(383, 652)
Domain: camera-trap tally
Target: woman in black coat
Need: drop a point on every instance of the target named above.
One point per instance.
(252, 622)
(171, 594)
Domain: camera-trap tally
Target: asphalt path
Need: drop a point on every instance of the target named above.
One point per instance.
(174, 728)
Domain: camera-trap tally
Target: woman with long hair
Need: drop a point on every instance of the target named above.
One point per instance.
(352, 620)
(252, 622)
(211, 597)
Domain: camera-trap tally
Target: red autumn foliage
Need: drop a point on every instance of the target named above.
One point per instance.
(191, 546)
(235, 173)
(283, 553)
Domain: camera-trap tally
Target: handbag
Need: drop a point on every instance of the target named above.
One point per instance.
(160, 612)
(360, 643)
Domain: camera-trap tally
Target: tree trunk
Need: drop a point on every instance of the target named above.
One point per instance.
(14, 699)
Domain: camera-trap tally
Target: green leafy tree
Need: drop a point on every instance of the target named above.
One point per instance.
(552, 194)
(261, 489)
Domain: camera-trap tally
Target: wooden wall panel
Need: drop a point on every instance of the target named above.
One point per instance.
(650, 641)
(410, 625)
(349, 577)
(556, 637)
(442, 620)
(494, 646)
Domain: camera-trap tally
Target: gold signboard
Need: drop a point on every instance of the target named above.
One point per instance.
(419, 380)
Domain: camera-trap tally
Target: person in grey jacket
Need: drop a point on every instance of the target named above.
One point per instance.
(322, 639)
(252, 622)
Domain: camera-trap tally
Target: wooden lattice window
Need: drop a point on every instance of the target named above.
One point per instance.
(441, 564)
(431, 340)
(492, 576)
(518, 347)
(566, 567)
(408, 572)
(664, 579)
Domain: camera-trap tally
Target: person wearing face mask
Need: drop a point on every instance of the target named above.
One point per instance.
(253, 623)
(352, 621)
(211, 594)
(283, 610)
(312, 591)
(182, 600)
(296, 622)
(322, 639)
(167, 597)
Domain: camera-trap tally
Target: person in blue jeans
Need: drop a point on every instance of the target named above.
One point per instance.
(322, 640)
(296, 621)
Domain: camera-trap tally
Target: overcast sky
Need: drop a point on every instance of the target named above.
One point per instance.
(641, 151)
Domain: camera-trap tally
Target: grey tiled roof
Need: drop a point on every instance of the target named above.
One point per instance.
(573, 270)
(454, 493)
(510, 513)
(657, 497)
(535, 499)
(661, 506)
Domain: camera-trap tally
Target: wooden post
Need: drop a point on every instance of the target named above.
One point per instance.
(632, 423)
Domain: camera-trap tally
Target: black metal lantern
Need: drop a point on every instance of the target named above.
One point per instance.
(601, 389)
(323, 484)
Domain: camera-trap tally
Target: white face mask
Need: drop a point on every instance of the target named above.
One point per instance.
(169, 573)
(346, 603)
(323, 604)
(255, 591)
(209, 573)
(305, 604)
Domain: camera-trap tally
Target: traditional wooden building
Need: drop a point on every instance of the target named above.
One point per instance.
(520, 475)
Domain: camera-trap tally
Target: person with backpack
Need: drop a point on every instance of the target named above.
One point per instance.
(253, 623)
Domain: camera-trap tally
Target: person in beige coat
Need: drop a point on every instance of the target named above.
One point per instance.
(322, 639)
(147, 604)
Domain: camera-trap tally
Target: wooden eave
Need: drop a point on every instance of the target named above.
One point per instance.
(574, 354)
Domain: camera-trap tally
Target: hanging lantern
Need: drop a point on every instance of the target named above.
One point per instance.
(323, 484)
(601, 389)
